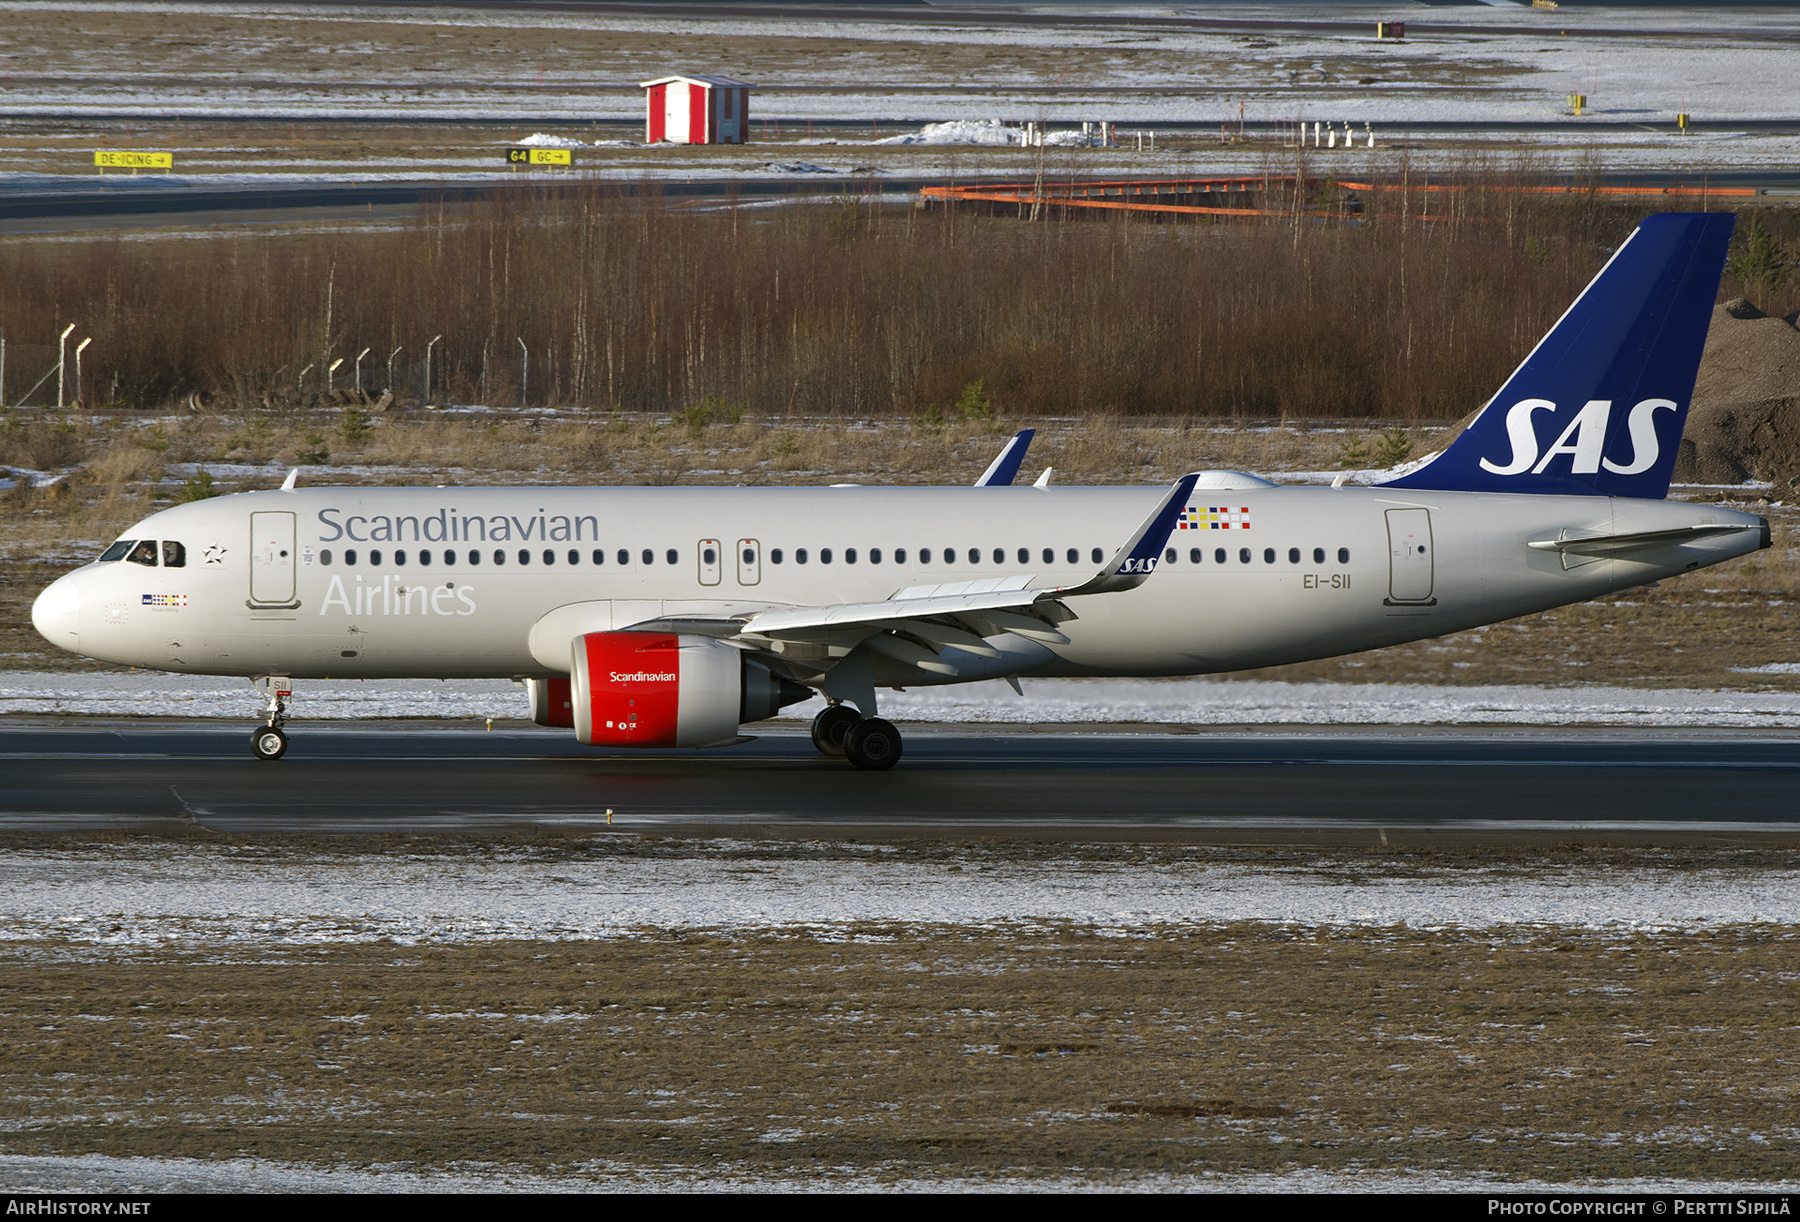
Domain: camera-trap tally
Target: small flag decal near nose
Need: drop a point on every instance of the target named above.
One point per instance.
(1215, 517)
(165, 600)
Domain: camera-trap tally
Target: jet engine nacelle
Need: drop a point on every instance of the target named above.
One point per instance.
(660, 689)
(552, 703)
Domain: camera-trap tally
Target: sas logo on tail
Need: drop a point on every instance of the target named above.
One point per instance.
(1583, 439)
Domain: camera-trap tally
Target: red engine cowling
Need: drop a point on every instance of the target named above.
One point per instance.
(552, 702)
(658, 689)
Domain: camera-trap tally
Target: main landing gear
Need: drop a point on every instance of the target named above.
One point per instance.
(868, 742)
(269, 741)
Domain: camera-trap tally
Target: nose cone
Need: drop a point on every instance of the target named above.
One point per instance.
(57, 614)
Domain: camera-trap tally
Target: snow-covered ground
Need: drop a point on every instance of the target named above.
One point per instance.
(1478, 63)
(165, 894)
(1198, 701)
(28, 1173)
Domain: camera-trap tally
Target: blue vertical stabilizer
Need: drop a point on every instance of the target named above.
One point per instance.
(1598, 407)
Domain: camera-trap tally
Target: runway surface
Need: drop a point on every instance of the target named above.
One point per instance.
(1357, 785)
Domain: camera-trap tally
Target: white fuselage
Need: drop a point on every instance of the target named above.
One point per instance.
(379, 582)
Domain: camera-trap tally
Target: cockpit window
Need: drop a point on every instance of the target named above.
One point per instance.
(144, 554)
(174, 555)
(117, 551)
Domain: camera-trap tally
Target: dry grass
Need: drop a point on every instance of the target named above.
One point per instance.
(1550, 1053)
(627, 304)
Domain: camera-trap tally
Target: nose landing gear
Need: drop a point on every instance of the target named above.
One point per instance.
(868, 742)
(269, 741)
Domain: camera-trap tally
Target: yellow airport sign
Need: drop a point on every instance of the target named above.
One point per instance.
(112, 160)
(529, 156)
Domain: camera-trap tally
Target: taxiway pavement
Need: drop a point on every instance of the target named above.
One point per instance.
(1228, 785)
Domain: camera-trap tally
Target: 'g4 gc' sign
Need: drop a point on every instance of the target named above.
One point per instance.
(540, 157)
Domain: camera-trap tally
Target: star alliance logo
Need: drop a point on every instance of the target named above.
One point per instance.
(214, 554)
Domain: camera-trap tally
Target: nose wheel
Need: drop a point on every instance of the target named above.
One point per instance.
(268, 742)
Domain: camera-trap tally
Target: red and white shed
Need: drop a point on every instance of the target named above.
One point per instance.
(697, 110)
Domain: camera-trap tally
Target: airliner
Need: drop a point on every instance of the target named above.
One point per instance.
(676, 616)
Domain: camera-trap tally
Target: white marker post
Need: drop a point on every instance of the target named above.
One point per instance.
(78, 347)
(358, 367)
(62, 344)
(428, 348)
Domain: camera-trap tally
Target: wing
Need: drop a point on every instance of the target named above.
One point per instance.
(917, 624)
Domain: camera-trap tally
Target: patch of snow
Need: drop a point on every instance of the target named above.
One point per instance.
(163, 892)
(1192, 701)
(961, 131)
(542, 140)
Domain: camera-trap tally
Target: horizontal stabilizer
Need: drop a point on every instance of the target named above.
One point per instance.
(1643, 540)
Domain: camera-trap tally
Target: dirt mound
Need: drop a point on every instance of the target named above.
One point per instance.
(1745, 420)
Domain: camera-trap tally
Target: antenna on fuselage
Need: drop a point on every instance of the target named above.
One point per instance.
(287, 485)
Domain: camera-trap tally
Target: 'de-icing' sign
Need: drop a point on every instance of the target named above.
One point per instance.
(106, 160)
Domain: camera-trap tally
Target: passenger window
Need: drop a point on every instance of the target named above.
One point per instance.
(1024, 555)
(899, 555)
(672, 556)
(350, 556)
(1218, 555)
(425, 558)
(1268, 555)
(1049, 555)
(375, 555)
(144, 554)
(524, 555)
(599, 556)
(999, 555)
(474, 556)
(824, 555)
(1243, 555)
(1293, 555)
(1097, 556)
(649, 556)
(1074, 556)
(775, 556)
(449, 556)
(924, 555)
(1318, 555)
(1169, 555)
(624, 556)
(574, 556)
(174, 555)
(874, 555)
(499, 556)
(325, 556)
(949, 555)
(117, 551)
(709, 556)
(1343, 555)
(799, 555)
(1195, 555)
(400, 556)
(849, 555)
(549, 556)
